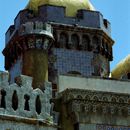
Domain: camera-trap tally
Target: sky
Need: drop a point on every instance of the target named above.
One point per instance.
(116, 11)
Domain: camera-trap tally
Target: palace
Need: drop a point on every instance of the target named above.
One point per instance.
(58, 55)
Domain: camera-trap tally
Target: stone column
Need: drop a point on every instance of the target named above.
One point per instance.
(35, 64)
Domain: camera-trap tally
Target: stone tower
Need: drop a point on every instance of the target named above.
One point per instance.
(26, 51)
(82, 46)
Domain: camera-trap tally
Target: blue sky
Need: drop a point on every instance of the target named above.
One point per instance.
(116, 11)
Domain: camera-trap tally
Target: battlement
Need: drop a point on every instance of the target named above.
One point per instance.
(56, 14)
(21, 100)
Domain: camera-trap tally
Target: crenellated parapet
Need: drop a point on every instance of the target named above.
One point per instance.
(56, 14)
(20, 100)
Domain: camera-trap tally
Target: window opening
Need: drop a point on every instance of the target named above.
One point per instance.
(15, 101)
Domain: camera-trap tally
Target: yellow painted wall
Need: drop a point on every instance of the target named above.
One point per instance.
(35, 64)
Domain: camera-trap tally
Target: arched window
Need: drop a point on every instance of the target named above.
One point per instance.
(15, 101)
(26, 105)
(38, 105)
(95, 44)
(102, 47)
(63, 40)
(105, 46)
(74, 41)
(3, 103)
(95, 40)
(85, 42)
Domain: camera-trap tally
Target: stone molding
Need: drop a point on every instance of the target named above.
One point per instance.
(87, 101)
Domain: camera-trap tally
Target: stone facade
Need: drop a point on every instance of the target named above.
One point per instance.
(74, 54)
(82, 107)
(79, 37)
(91, 46)
(93, 103)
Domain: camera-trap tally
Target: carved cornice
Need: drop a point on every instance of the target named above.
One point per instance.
(87, 101)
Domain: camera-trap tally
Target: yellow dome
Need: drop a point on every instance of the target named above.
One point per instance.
(122, 68)
(71, 5)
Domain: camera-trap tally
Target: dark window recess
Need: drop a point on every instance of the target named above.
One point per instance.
(105, 47)
(38, 105)
(105, 23)
(85, 43)
(95, 40)
(15, 101)
(63, 40)
(3, 94)
(26, 105)
(76, 126)
(128, 75)
(74, 41)
(96, 44)
(55, 37)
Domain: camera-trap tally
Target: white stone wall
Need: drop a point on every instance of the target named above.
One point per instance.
(96, 84)
(26, 89)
